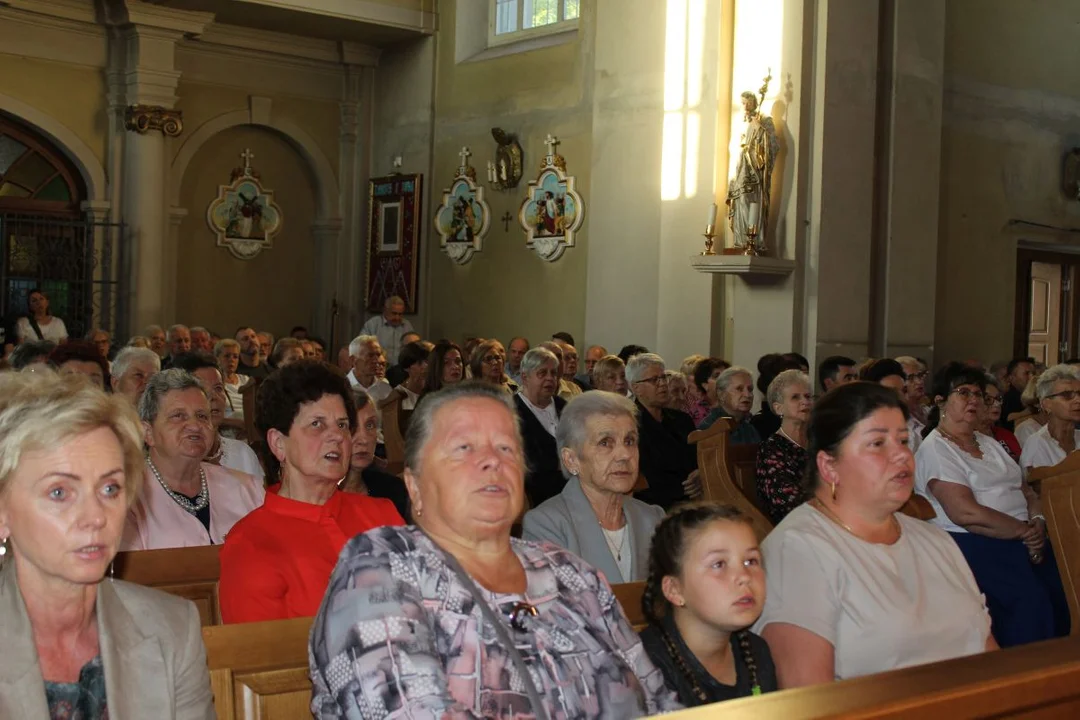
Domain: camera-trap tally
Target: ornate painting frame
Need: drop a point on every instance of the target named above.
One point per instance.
(393, 250)
(244, 216)
(553, 209)
(464, 217)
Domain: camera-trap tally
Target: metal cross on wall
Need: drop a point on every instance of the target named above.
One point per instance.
(552, 142)
(506, 218)
(464, 155)
(248, 156)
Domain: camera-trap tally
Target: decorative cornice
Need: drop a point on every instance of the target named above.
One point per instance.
(266, 43)
(135, 12)
(145, 118)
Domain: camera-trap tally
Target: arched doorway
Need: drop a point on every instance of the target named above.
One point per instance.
(46, 240)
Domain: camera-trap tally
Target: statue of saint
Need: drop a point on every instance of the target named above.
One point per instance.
(748, 191)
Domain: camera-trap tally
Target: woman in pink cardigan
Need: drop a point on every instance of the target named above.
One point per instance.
(185, 501)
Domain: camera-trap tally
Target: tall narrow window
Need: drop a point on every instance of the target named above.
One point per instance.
(684, 47)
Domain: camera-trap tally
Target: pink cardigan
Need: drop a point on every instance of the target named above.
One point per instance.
(156, 521)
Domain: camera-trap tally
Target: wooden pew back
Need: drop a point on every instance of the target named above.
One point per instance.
(1061, 505)
(1034, 681)
(191, 573)
(715, 456)
(259, 671)
(390, 413)
(629, 596)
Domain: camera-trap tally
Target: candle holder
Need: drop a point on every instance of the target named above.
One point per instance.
(751, 248)
(710, 233)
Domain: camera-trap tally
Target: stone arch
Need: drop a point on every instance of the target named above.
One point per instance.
(88, 164)
(326, 187)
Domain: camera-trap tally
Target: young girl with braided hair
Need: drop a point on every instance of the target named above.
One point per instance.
(706, 587)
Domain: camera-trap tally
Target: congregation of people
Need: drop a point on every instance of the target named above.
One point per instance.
(476, 581)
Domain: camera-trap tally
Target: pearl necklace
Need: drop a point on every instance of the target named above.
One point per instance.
(201, 501)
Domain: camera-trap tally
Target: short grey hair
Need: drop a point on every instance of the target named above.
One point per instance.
(1052, 376)
(199, 328)
(152, 330)
(130, 355)
(423, 418)
(174, 329)
(605, 365)
(94, 331)
(724, 379)
(224, 344)
(908, 360)
(635, 369)
(536, 359)
(391, 301)
(161, 385)
(572, 431)
(780, 383)
(359, 342)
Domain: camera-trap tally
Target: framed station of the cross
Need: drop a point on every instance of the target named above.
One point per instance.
(393, 250)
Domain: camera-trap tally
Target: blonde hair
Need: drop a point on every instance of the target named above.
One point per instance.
(42, 410)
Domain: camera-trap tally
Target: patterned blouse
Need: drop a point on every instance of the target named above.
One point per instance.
(399, 636)
(82, 700)
(781, 465)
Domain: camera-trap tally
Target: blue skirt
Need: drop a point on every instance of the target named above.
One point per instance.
(1026, 601)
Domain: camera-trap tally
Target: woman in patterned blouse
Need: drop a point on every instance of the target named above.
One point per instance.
(454, 618)
(781, 460)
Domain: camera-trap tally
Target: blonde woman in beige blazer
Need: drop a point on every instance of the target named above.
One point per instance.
(75, 642)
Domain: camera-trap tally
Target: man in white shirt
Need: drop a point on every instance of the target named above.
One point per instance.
(390, 327)
(366, 354)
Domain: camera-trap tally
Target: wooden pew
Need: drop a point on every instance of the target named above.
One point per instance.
(1069, 467)
(191, 573)
(629, 596)
(1034, 681)
(1061, 505)
(716, 458)
(393, 437)
(259, 670)
(247, 395)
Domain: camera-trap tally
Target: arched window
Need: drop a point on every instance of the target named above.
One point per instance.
(35, 177)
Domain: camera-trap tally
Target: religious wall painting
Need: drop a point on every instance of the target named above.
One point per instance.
(244, 216)
(553, 210)
(393, 250)
(463, 218)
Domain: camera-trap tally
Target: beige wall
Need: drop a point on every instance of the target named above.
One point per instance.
(1012, 108)
(274, 291)
(506, 289)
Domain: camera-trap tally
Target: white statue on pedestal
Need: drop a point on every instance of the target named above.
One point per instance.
(748, 192)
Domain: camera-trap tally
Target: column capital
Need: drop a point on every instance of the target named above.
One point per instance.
(147, 118)
(98, 210)
(177, 215)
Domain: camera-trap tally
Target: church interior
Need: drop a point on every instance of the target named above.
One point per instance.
(837, 181)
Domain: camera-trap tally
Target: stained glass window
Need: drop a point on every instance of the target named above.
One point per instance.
(33, 175)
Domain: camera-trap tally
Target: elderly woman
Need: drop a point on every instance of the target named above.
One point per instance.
(667, 459)
(1032, 418)
(990, 414)
(698, 405)
(677, 391)
(286, 351)
(75, 646)
(594, 516)
(185, 501)
(781, 459)
(609, 374)
(227, 353)
(80, 357)
(39, 323)
(855, 586)
(469, 621)
(487, 364)
(364, 476)
(732, 396)
(539, 409)
(224, 451)
(981, 499)
(139, 341)
(131, 370)
(277, 561)
(1059, 398)
(445, 366)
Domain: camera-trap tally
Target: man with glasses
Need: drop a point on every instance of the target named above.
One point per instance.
(915, 382)
(666, 459)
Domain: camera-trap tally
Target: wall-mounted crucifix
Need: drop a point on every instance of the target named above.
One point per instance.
(552, 142)
(506, 218)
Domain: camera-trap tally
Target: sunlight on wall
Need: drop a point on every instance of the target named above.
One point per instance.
(759, 26)
(684, 45)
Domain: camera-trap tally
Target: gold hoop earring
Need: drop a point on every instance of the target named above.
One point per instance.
(833, 486)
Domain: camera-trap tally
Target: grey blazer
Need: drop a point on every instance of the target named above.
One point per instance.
(569, 521)
(151, 649)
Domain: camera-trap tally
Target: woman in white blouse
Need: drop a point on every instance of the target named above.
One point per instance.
(1059, 396)
(856, 587)
(39, 324)
(981, 499)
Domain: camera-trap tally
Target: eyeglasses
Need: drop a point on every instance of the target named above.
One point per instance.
(992, 401)
(1066, 395)
(967, 395)
(654, 381)
(916, 376)
(492, 359)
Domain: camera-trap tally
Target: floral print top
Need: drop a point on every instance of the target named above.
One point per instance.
(82, 700)
(399, 636)
(781, 465)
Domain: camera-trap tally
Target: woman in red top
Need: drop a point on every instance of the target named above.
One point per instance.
(276, 562)
(989, 416)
